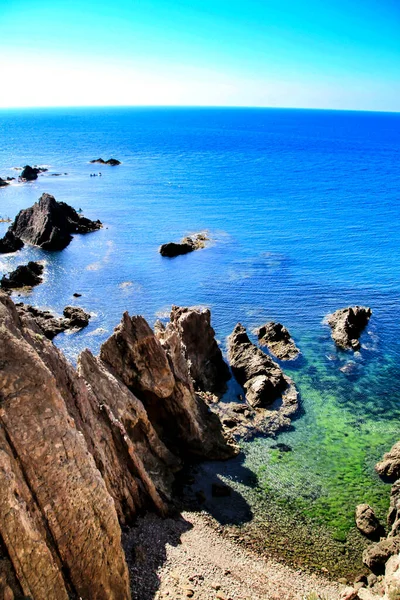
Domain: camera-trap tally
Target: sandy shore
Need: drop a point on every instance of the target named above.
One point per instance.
(175, 559)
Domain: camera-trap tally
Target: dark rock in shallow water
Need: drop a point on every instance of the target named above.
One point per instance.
(277, 338)
(260, 376)
(367, 522)
(49, 224)
(3, 183)
(188, 244)
(208, 369)
(347, 325)
(390, 464)
(76, 295)
(23, 276)
(10, 243)
(77, 316)
(113, 162)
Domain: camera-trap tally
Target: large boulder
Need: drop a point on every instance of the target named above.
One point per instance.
(277, 338)
(10, 243)
(186, 245)
(376, 555)
(347, 325)
(389, 466)
(367, 522)
(50, 224)
(262, 379)
(207, 367)
(23, 276)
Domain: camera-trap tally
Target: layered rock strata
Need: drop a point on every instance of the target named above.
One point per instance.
(81, 453)
(347, 325)
(278, 340)
(50, 224)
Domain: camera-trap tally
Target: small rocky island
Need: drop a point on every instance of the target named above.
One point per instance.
(23, 276)
(277, 338)
(347, 325)
(29, 173)
(186, 245)
(47, 224)
(113, 162)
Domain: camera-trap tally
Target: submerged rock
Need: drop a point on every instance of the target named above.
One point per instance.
(50, 224)
(113, 162)
(207, 367)
(261, 377)
(367, 522)
(390, 464)
(277, 338)
(347, 325)
(186, 245)
(24, 276)
(10, 243)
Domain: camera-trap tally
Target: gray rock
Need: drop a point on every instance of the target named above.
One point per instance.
(277, 338)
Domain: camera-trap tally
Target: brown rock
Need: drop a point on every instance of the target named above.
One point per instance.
(376, 555)
(390, 465)
(367, 522)
(347, 325)
(277, 338)
(186, 245)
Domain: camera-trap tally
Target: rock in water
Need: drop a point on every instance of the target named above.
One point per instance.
(29, 173)
(277, 338)
(23, 276)
(113, 162)
(347, 325)
(188, 244)
(3, 183)
(367, 522)
(49, 224)
(10, 243)
(77, 316)
(207, 367)
(390, 464)
(260, 376)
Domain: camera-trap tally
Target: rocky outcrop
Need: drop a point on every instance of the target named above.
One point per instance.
(155, 369)
(29, 173)
(390, 464)
(10, 243)
(23, 276)
(51, 325)
(376, 555)
(347, 325)
(186, 245)
(3, 182)
(207, 367)
(367, 522)
(277, 338)
(50, 224)
(262, 379)
(113, 162)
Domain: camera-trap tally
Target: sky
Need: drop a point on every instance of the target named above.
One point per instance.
(337, 54)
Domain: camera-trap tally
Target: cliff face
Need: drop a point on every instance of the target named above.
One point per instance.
(83, 451)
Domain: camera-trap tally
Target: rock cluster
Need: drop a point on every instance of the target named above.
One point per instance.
(74, 318)
(113, 162)
(83, 451)
(186, 245)
(10, 243)
(277, 338)
(347, 325)
(29, 173)
(23, 276)
(50, 224)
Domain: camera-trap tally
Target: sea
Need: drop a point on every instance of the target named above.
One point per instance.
(302, 211)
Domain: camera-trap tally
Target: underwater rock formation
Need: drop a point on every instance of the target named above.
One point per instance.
(207, 367)
(347, 325)
(277, 338)
(50, 224)
(186, 245)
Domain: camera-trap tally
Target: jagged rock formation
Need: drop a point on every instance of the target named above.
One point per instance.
(155, 370)
(186, 245)
(29, 173)
(347, 325)
(10, 243)
(207, 367)
(51, 325)
(23, 276)
(367, 522)
(277, 338)
(261, 377)
(113, 162)
(49, 224)
(390, 464)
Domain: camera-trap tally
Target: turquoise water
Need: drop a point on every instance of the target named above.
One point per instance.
(302, 210)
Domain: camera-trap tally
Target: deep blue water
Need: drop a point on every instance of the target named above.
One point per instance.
(302, 207)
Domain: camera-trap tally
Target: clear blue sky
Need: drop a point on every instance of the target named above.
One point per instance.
(325, 53)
